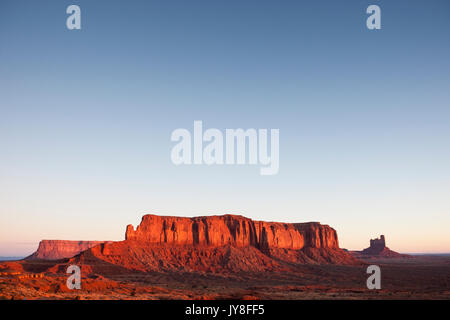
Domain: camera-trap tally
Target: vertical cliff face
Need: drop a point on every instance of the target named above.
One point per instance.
(238, 231)
(60, 249)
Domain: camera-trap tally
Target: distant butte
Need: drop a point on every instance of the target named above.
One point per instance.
(60, 249)
(378, 248)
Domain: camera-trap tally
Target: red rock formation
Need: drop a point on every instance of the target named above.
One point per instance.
(238, 231)
(60, 249)
(378, 248)
(217, 244)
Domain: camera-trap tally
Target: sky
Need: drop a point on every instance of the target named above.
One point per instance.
(86, 116)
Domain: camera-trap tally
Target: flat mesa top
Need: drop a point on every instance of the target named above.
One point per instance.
(235, 216)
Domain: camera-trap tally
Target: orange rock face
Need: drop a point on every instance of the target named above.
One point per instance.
(238, 231)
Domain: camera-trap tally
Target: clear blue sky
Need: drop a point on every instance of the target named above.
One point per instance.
(86, 116)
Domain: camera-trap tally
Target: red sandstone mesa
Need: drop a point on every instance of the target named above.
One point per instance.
(238, 231)
(60, 249)
(216, 244)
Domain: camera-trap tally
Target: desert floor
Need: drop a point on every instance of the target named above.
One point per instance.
(418, 277)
